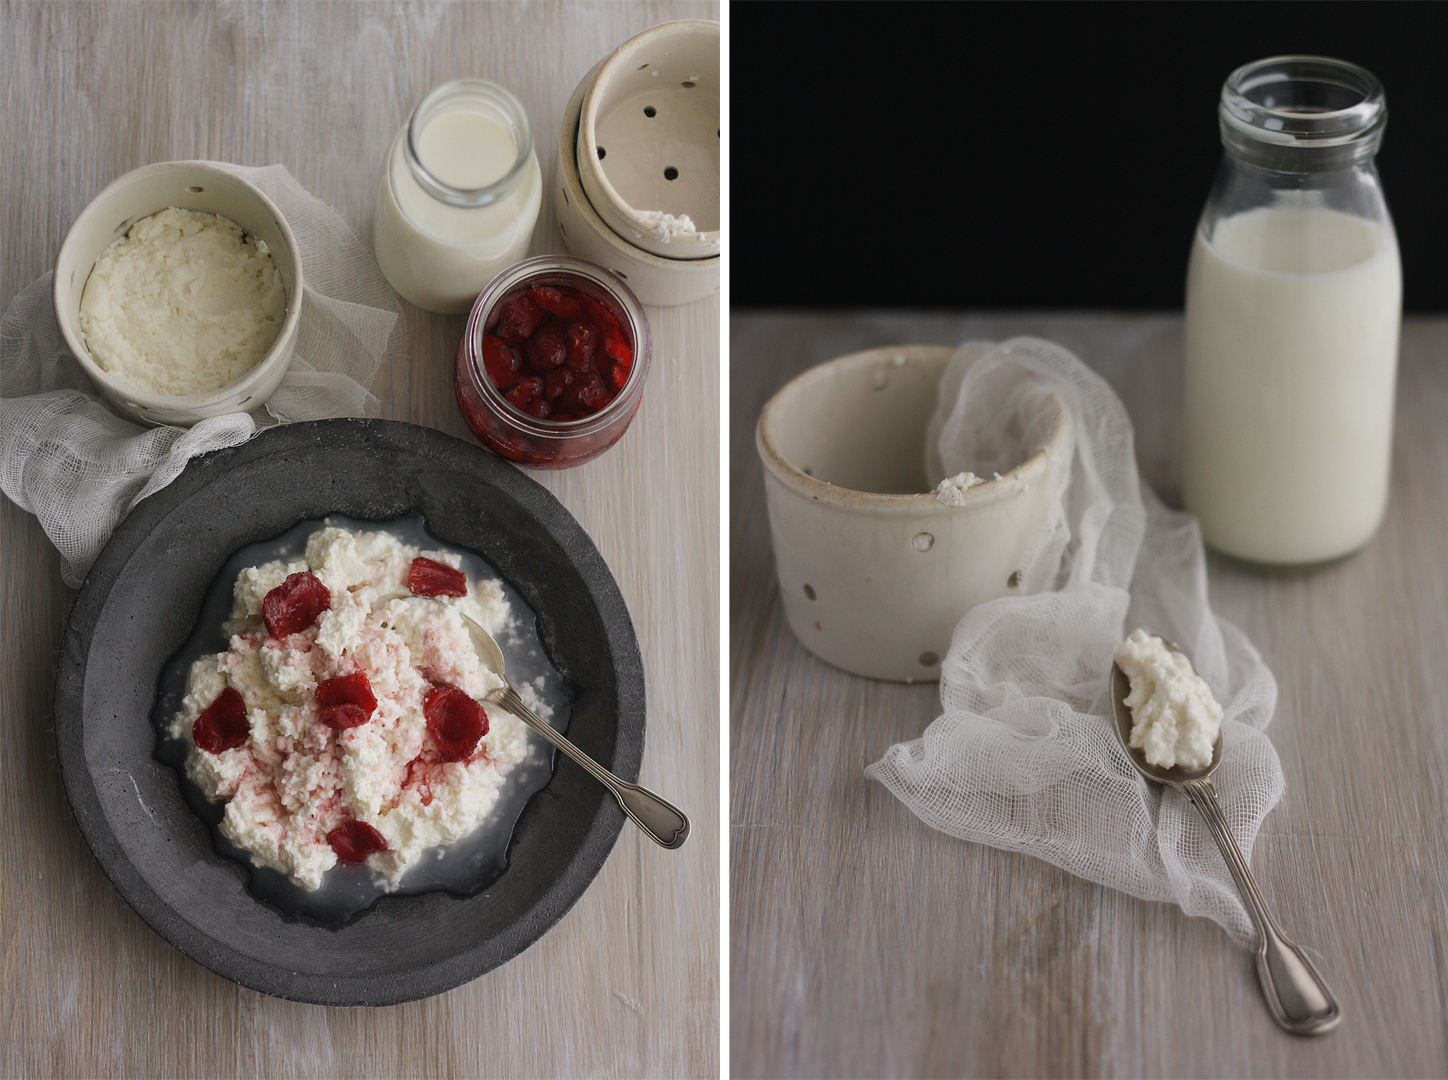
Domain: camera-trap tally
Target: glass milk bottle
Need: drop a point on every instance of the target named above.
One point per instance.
(1294, 299)
(458, 196)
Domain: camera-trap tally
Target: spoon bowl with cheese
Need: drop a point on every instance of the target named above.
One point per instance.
(1154, 692)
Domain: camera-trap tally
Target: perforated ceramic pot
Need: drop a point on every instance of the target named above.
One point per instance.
(648, 140)
(874, 570)
(654, 279)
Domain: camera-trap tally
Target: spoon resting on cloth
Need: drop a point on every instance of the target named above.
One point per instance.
(1296, 993)
(663, 821)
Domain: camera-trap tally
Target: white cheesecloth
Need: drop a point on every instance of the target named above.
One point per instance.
(1024, 756)
(80, 468)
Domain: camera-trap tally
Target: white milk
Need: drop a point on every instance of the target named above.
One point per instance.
(440, 256)
(1291, 358)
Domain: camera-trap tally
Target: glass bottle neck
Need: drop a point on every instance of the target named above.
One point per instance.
(495, 136)
(1301, 115)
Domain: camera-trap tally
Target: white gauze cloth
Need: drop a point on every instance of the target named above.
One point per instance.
(79, 468)
(1024, 756)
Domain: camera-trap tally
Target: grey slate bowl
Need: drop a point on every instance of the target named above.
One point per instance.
(138, 606)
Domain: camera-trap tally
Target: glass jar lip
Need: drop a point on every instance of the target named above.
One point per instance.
(610, 283)
(1249, 108)
(468, 198)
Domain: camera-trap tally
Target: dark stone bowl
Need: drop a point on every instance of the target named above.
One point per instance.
(139, 605)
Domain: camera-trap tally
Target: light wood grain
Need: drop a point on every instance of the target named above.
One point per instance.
(627, 983)
(865, 944)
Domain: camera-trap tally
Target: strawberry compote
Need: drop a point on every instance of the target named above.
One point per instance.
(551, 367)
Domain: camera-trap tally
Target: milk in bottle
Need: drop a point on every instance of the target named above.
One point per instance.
(1294, 298)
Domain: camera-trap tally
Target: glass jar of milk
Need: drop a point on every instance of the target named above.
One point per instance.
(1294, 299)
(458, 197)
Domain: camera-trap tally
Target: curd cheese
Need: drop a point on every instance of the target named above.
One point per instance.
(1175, 719)
(184, 303)
(296, 780)
(951, 491)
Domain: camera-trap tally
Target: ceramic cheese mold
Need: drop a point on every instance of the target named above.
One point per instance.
(875, 569)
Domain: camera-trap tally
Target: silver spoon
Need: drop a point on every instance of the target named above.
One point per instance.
(1296, 993)
(664, 822)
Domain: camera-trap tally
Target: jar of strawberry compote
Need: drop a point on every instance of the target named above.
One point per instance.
(551, 367)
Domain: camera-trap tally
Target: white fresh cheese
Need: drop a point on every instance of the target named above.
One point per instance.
(183, 303)
(1175, 719)
(296, 779)
(666, 227)
(951, 491)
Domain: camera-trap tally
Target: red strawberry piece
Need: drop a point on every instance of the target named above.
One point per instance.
(594, 396)
(455, 721)
(617, 375)
(354, 689)
(582, 341)
(353, 841)
(563, 416)
(295, 604)
(559, 302)
(538, 408)
(568, 400)
(518, 317)
(617, 347)
(603, 320)
(557, 381)
(586, 396)
(342, 717)
(501, 361)
(222, 725)
(427, 577)
(548, 348)
(524, 390)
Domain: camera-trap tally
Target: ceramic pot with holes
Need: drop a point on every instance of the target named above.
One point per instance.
(648, 140)
(874, 570)
(688, 268)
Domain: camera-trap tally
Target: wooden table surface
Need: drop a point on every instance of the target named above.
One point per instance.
(865, 944)
(627, 983)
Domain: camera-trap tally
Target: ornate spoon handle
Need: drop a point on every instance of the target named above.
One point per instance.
(663, 821)
(1296, 993)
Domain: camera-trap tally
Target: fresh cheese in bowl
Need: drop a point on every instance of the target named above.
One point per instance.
(343, 724)
(179, 291)
(184, 303)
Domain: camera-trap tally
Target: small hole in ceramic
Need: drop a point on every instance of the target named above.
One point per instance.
(195, 190)
(642, 66)
(809, 592)
(881, 379)
(602, 153)
(688, 84)
(809, 470)
(561, 230)
(922, 541)
(1014, 580)
(564, 192)
(818, 626)
(671, 173)
(621, 274)
(650, 111)
(928, 659)
(244, 400)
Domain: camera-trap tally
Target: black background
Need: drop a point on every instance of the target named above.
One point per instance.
(1033, 155)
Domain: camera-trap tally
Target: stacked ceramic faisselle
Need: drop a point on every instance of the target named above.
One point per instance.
(638, 163)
